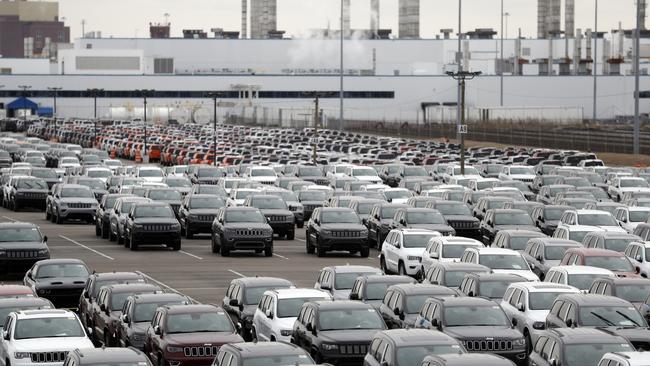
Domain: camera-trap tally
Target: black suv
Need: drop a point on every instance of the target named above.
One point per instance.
(336, 331)
(634, 290)
(27, 191)
(58, 280)
(547, 217)
(371, 289)
(422, 218)
(332, 228)
(21, 245)
(380, 221)
(102, 224)
(480, 324)
(488, 285)
(241, 228)
(152, 223)
(606, 313)
(170, 196)
(95, 282)
(197, 213)
(311, 200)
(504, 219)
(262, 353)
(402, 303)
(451, 274)
(243, 296)
(458, 216)
(398, 347)
(277, 213)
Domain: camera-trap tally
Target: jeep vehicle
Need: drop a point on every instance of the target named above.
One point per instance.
(543, 254)
(363, 206)
(491, 286)
(277, 213)
(210, 189)
(27, 192)
(602, 258)
(188, 334)
(634, 290)
(515, 239)
(311, 174)
(41, 336)
(292, 201)
(398, 347)
(197, 213)
(152, 223)
(243, 296)
(402, 251)
(206, 175)
(338, 280)
(547, 217)
(106, 310)
(263, 353)
(371, 289)
(118, 215)
(167, 195)
(311, 199)
(451, 274)
(180, 184)
(617, 242)
(479, 324)
(102, 215)
(422, 218)
(336, 229)
(458, 216)
(97, 185)
(484, 204)
(58, 280)
(503, 219)
(21, 245)
(336, 331)
(100, 356)
(466, 359)
(16, 304)
(402, 302)
(95, 282)
(379, 222)
(606, 313)
(241, 228)
(71, 201)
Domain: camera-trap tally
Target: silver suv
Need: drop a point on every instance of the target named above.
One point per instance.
(73, 201)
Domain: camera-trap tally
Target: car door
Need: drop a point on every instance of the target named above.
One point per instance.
(392, 252)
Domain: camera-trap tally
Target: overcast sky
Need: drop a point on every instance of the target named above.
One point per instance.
(127, 18)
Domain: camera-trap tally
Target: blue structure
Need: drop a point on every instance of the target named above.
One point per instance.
(21, 103)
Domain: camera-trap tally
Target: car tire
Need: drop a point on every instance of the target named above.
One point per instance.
(111, 236)
(161, 360)
(133, 244)
(98, 231)
(268, 252)
(364, 252)
(320, 251)
(401, 270)
(215, 247)
(225, 252)
(291, 235)
(382, 265)
(47, 215)
(310, 248)
(176, 246)
(317, 357)
(105, 232)
(58, 220)
(529, 342)
(300, 225)
(188, 233)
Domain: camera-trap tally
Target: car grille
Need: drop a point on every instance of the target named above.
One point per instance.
(34, 196)
(200, 351)
(157, 227)
(353, 349)
(488, 345)
(79, 205)
(48, 356)
(249, 232)
(346, 234)
(525, 180)
(206, 218)
(464, 224)
(277, 218)
(293, 208)
(18, 254)
(312, 207)
(270, 183)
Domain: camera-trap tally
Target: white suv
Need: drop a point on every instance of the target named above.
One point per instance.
(639, 254)
(500, 260)
(630, 217)
(589, 220)
(580, 277)
(41, 337)
(621, 185)
(625, 359)
(446, 249)
(403, 249)
(278, 310)
(261, 174)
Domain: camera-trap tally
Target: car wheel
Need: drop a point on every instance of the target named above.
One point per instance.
(225, 252)
(365, 252)
(188, 233)
(300, 225)
(309, 247)
(176, 246)
(47, 214)
(317, 357)
(291, 235)
(58, 219)
(215, 247)
(161, 360)
(98, 231)
(401, 269)
(105, 232)
(382, 265)
(380, 241)
(133, 244)
(111, 236)
(320, 251)
(529, 342)
(268, 251)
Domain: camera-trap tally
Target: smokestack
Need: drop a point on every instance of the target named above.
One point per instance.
(346, 17)
(263, 18)
(577, 51)
(409, 18)
(644, 4)
(554, 27)
(374, 18)
(244, 19)
(569, 18)
(543, 12)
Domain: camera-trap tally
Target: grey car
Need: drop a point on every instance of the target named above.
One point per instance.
(277, 213)
(118, 215)
(338, 280)
(241, 228)
(544, 253)
(21, 245)
(73, 201)
(397, 347)
(403, 302)
(371, 289)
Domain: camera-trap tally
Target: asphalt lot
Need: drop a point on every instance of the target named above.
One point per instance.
(194, 271)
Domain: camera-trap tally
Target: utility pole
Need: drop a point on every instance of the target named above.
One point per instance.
(637, 71)
(595, 106)
(214, 96)
(462, 128)
(341, 115)
(55, 91)
(93, 93)
(501, 63)
(316, 120)
(144, 93)
(459, 62)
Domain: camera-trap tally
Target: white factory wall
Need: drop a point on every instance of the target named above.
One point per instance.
(25, 65)
(68, 61)
(615, 93)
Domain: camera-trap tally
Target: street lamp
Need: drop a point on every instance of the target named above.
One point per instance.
(55, 91)
(214, 96)
(25, 88)
(461, 76)
(93, 93)
(317, 119)
(506, 15)
(144, 93)
(637, 51)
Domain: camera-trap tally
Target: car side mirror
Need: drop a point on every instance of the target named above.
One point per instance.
(126, 319)
(5, 335)
(233, 302)
(354, 296)
(403, 222)
(520, 307)
(102, 307)
(638, 258)
(569, 323)
(269, 314)
(364, 221)
(434, 255)
(157, 330)
(539, 258)
(435, 323)
(325, 286)
(553, 362)
(44, 238)
(514, 322)
(542, 219)
(86, 295)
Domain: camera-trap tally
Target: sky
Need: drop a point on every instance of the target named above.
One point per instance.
(131, 18)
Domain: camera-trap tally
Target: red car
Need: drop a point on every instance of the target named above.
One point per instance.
(602, 258)
(16, 291)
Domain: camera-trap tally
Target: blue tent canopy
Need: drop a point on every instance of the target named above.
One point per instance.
(22, 103)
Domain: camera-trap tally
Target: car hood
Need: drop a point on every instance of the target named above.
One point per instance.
(78, 200)
(632, 334)
(461, 218)
(202, 338)
(23, 190)
(285, 323)
(66, 282)
(52, 344)
(483, 332)
(20, 245)
(247, 225)
(204, 211)
(350, 227)
(529, 275)
(517, 227)
(276, 212)
(434, 227)
(348, 335)
(341, 294)
(153, 179)
(155, 220)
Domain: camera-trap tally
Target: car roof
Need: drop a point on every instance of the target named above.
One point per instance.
(290, 293)
(461, 266)
(494, 277)
(192, 308)
(18, 224)
(594, 299)
(115, 355)
(523, 233)
(60, 261)
(583, 270)
(467, 301)
(545, 287)
(498, 251)
(415, 231)
(586, 336)
(590, 212)
(340, 305)
(132, 287)
(415, 337)
(263, 281)
(615, 235)
(380, 278)
(11, 302)
(422, 289)
(594, 252)
(266, 349)
(625, 280)
(117, 275)
(353, 269)
(45, 313)
(156, 297)
(557, 241)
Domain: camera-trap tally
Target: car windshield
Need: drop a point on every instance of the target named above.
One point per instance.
(61, 270)
(345, 281)
(48, 328)
(637, 183)
(639, 216)
(376, 291)
(165, 195)
(388, 212)
(409, 356)
(494, 289)
(254, 294)
(153, 211)
(615, 264)
(469, 170)
(184, 183)
(521, 170)
(542, 300)
(553, 214)
(130, 181)
(454, 278)
(144, 312)
(118, 299)
(69, 161)
(252, 216)
(617, 245)
(578, 235)
(590, 354)
(429, 217)
(209, 173)
(342, 319)
(417, 241)
(503, 261)
(610, 316)
(278, 360)
(310, 172)
(287, 196)
(454, 210)
(49, 174)
(32, 184)
(364, 208)
(455, 250)
(211, 189)
(289, 308)
(199, 322)
(555, 252)
(99, 173)
(397, 194)
(269, 203)
(77, 193)
(93, 184)
(518, 242)
(20, 234)
(149, 173)
(596, 220)
(474, 316)
(207, 202)
(581, 281)
(312, 196)
(414, 302)
(633, 293)
(359, 172)
(339, 217)
(263, 173)
(241, 195)
(497, 204)
(512, 219)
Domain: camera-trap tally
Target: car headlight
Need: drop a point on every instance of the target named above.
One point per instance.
(539, 325)
(3, 253)
(364, 232)
(20, 355)
(285, 332)
(172, 349)
(43, 252)
(414, 258)
(193, 216)
(519, 342)
(63, 205)
(330, 347)
(325, 232)
(43, 292)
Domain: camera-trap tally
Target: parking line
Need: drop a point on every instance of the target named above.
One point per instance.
(167, 286)
(237, 273)
(85, 247)
(190, 254)
(9, 218)
(281, 256)
(301, 240)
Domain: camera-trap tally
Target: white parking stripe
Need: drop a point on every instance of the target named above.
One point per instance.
(300, 240)
(167, 286)
(280, 256)
(85, 247)
(190, 254)
(237, 273)
(9, 218)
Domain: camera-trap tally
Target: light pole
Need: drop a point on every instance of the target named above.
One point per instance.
(93, 93)
(506, 15)
(462, 129)
(595, 106)
(501, 61)
(55, 92)
(341, 76)
(459, 62)
(317, 119)
(25, 88)
(214, 96)
(637, 49)
(144, 93)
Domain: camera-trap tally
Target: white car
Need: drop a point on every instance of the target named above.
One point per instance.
(99, 172)
(375, 187)
(338, 170)
(176, 171)
(620, 185)
(238, 196)
(278, 310)
(500, 260)
(483, 183)
(446, 249)
(228, 182)
(403, 249)
(69, 162)
(150, 174)
(112, 164)
(575, 233)
(261, 174)
(639, 255)
(580, 277)
(589, 220)
(530, 303)
(41, 337)
(630, 217)
(455, 171)
(521, 173)
(397, 195)
(638, 358)
(363, 173)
